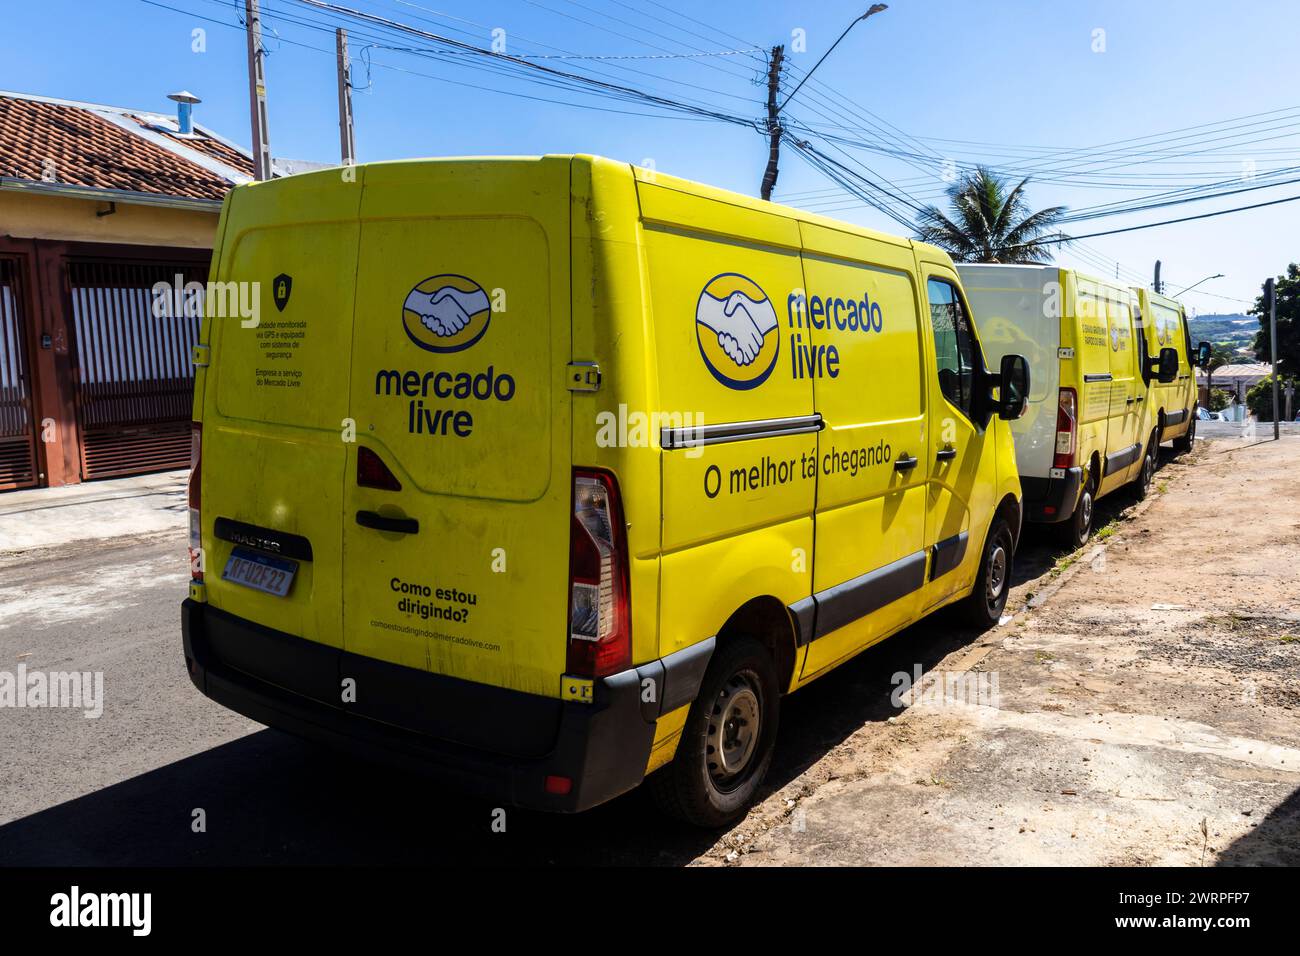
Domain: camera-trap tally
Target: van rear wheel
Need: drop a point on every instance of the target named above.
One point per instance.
(983, 607)
(726, 745)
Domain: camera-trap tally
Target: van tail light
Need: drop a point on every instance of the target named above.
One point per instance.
(600, 621)
(1067, 429)
(194, 500)
(373, 473)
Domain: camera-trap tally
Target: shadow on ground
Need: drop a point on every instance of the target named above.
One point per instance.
(1274, 842)
(269, 798)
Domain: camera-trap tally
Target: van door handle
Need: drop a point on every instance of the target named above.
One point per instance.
(1130, 401)
(945, 454)
(373, 519)
(905, 464)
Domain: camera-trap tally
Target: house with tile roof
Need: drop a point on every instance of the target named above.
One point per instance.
(99, 204)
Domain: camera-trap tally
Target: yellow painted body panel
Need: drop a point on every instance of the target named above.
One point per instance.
(700, 308)
(1165, 324)
(1098, 323)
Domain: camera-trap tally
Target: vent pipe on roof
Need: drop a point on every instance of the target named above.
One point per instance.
(185, 101)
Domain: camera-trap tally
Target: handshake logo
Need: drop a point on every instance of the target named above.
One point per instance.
(446, 313)
(736, 326)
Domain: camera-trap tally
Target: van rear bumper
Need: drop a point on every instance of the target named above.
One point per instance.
(1049, 500)
(601, 747)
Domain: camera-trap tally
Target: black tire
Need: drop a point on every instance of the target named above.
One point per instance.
(697, 786)
(982, 608)
(1183, 443)
(1077, 529)
(1150, 458)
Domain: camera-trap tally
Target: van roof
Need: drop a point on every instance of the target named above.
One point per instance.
(761, 205)
(1159, 299)
(1028, 268)
(694, 188)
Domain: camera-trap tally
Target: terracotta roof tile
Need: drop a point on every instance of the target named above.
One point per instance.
(79, 147)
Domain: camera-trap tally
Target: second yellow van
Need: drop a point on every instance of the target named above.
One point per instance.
(550, 474)
(1090, 428)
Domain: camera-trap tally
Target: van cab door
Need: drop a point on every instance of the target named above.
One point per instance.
(859, 339)
(959, 460)
(1123, 455)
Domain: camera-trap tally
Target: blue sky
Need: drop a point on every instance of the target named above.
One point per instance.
(1001, 81)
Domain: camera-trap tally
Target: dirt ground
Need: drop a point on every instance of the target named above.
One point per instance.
(1146, 708)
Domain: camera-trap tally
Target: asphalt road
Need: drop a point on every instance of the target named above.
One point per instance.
(124, 788)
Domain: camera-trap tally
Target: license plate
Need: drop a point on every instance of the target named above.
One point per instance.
(260, 571)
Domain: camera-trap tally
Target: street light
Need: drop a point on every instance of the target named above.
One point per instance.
(875, 8)
(1195, 284)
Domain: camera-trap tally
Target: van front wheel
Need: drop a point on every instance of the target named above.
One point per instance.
(1142, 483)
(726, 745)
(983, 607)
(1183, 443)
(1077, 529)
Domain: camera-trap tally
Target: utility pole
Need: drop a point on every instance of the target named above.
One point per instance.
(774, 86)
(773, 120)
(347, 144)
(257, 91)
(1156, 284)
(1270, 296)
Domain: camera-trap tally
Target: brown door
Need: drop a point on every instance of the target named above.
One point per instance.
(17, 423)
(133, 379)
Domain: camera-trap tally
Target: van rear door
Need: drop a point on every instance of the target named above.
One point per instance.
(457, 493)
(275, 396)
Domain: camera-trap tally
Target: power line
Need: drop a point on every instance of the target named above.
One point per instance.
(1166, 222)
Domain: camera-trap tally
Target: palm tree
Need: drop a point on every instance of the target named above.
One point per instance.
(990, 223)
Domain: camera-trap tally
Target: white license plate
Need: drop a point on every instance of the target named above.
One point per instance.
(260, 571)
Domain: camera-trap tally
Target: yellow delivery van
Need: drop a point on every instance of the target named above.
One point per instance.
(1171, 405)
(549, 474)
(1091, 426)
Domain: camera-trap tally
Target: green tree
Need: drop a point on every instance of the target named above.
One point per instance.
(1218, 400)
(1288, 324)
(1260, 399)
(989, 222)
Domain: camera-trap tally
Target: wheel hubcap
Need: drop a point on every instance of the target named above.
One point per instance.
(733, 730)
(997, 573)
(1085, 512)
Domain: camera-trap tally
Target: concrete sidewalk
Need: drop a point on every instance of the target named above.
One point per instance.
(95, 510)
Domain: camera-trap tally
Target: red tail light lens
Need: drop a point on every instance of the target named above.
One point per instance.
(600, 625)
(373, 473)
(194, 499)
(1067, 429)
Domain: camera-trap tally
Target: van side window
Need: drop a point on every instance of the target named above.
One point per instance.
(954, 345)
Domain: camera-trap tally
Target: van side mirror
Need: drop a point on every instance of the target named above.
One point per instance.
(1203, 353)
(1013, 387)
(1167, 370)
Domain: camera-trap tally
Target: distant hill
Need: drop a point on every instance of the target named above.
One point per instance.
(1233, 330)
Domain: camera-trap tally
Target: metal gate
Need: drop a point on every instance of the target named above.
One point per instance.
(134, 381)
(17, 427)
